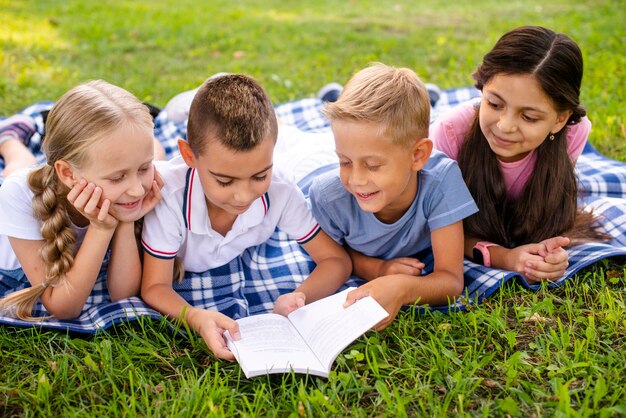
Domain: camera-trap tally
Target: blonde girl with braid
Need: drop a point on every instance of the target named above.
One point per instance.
(59, 220)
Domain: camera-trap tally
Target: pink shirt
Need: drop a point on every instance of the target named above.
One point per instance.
(450, 129)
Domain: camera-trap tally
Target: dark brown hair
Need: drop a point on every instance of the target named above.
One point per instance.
(548, 204)
(233, 109)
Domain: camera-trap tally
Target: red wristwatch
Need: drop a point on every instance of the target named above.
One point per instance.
(481, 253)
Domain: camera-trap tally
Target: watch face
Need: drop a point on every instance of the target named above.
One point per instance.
(478, 257)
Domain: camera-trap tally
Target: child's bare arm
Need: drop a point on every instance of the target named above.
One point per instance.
(66, 301)
(157, 291)
(332, 269)
(443, 284)
(16, 156)
(124, 271)
(370, 268)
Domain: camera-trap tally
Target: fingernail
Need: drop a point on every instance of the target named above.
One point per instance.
(236, 335)
(82, 182)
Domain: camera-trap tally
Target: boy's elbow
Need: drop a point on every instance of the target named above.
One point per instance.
(457, 290)
(457, 285)
(344, 263)
(145, 292)
(149, 294)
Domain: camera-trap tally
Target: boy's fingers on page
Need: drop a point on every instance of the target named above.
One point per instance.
(383, 324)
(300, 299)
(216, 342)
(356, 294)
(230, 325)
(221, 351)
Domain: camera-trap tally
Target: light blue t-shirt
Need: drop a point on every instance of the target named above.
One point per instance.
(442, 199)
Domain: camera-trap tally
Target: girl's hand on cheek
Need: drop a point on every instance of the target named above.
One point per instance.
(154, 195)
(85, 197)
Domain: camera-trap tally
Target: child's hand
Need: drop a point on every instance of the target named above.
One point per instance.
(211, 326)
(154, 195)
(546, 260)
(85, 197)
(289, 302)
(387, 291)
(402, 265)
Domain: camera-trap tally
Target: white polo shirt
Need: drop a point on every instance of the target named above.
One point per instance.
(180, 226)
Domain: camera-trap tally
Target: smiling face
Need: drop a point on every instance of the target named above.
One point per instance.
(379, 173)
(516, 115)
(232, 180)
(121, 164)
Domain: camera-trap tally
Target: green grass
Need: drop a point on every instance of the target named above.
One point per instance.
(567, 360)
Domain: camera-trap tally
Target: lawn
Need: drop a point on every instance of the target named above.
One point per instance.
(552, 352)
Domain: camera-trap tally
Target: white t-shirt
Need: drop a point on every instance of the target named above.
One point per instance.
(180, 225)
(17, 218)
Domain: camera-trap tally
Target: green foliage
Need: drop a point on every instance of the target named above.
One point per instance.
(566, 359)
(549, 353)
(158, 48)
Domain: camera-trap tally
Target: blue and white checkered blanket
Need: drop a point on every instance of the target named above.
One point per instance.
(251, 283)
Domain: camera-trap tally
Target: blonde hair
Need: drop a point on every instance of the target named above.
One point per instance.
(394, 98)
(84, 116)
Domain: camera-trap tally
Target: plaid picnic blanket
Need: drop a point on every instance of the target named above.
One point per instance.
(251, 283)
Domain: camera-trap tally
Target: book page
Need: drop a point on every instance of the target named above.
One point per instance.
(270, 344)
(328, 327)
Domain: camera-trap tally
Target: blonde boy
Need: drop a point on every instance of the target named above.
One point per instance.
(393, 197)
(222, 196)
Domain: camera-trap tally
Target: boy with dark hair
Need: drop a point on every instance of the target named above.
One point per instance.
(222, 196)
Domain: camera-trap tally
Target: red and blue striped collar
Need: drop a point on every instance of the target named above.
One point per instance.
(195, 212)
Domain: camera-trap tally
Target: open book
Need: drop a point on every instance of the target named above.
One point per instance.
(308, 340)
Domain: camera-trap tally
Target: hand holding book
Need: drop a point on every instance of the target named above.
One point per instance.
(307, 341)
